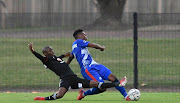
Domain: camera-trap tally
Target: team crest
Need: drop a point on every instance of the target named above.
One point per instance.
(58, 59)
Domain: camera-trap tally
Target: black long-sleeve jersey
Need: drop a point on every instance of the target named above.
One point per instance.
(56, 64)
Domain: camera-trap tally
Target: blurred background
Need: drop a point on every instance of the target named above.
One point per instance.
(106, 22)
(40, 6)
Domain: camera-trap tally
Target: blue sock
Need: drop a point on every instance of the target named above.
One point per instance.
(122, 90)
(91, 91)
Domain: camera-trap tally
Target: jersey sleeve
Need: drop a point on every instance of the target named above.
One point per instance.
(82, 43)
(40, 57)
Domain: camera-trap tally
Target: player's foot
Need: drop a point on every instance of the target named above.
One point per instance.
(80, 96)
(39, 98)
(123, 82)
(128, 99)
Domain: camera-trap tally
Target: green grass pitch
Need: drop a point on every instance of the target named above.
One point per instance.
(107, 97)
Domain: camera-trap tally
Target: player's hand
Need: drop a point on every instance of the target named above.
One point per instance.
(67, 54)
(102, 48)
(31, 46)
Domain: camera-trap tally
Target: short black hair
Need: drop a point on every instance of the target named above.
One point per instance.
(76, 32)
(45, 49)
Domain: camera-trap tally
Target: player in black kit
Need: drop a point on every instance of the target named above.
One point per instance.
(68, 78)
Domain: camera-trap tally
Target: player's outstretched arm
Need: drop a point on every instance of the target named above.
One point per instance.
(39, 56)
(31, 46)
(71, 57)
(96, 46)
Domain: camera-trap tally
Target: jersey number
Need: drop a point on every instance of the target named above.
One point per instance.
(85, 53)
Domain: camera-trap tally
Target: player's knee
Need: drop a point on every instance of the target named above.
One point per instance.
(112, 77)
(93, 84)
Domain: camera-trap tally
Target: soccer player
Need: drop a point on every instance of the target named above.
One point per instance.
(90, 69)
(68, 78)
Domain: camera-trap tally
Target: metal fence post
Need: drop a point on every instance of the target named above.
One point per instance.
(135, 50)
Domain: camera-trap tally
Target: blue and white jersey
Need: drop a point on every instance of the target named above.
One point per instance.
(80, 51)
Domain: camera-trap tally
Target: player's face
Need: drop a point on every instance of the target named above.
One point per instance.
(84, 37)
(50, 52)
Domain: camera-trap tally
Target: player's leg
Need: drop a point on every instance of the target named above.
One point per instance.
(87, 84)
(90, 83)
(63, 88)
(62, 91)
(106, 74)
(91, 73)
(91, 91)
(121, 89)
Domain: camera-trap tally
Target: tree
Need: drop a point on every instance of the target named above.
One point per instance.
(2, 16)
(111, 11)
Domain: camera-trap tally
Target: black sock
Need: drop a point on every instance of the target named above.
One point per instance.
(116, 82)
(52, 97)
(107, 85)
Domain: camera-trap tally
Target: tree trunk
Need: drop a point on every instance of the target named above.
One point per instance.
(111, 8)
(111, 12)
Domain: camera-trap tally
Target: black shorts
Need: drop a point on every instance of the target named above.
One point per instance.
(74, 82)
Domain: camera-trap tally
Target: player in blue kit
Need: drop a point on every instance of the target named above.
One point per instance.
(90, 69)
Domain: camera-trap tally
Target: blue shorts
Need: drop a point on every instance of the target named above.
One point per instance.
(96, 73)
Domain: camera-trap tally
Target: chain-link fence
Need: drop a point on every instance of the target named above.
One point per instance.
(158, 48)
(159, 40)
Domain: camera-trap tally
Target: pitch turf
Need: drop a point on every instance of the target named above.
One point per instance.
(107, 97)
